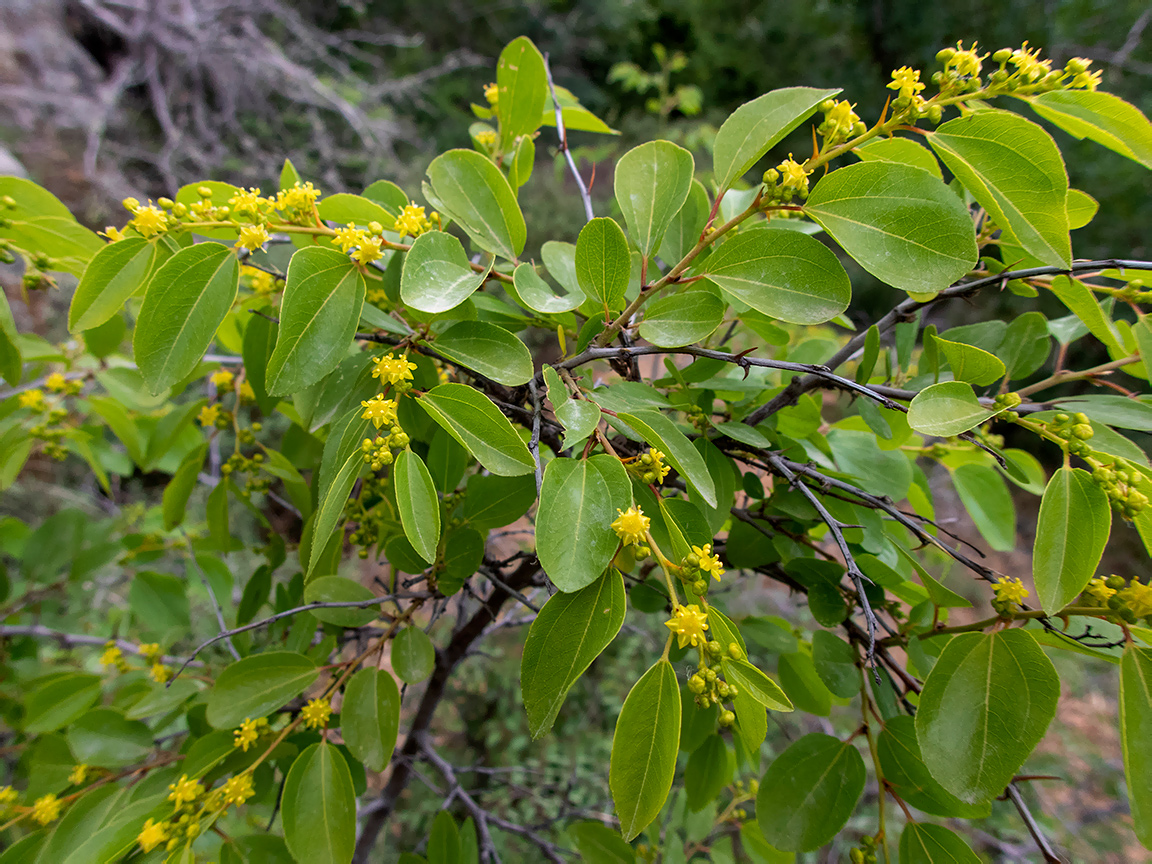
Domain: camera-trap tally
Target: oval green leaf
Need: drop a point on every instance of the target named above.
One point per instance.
(338, 589)
(947, 409)
(253, 686)
(113, 275)
(682, 319)
(471, 190)
(651, 183)
(971, 364)
(370, 717)
(344, 208)
(756, 684)
(709, 770)
(684, 230)
(436, 275)
(340, 465)
(105, 739)
(418, 503)
(661, 433)
(488, 350)
(902, 150)
(1071, 533)
(989, 503)
(319, 807)
(904, 768)
(470, 417)
(537, 295)
(59, 702)
(603, 264)
(924, 843)
(1136, 736)
(1100, 117)
(413, 655)
(522, 85)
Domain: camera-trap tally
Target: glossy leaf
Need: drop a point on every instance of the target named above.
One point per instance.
(808, 792)
(900, 223)
(644, 748)
(651, 183)
(492, 501)
(986, 703)
(413, 655)
(709, 770)
(1100, 117)
(538, 295)
(1014, 169)
(323, 294)
(1136, 736)
(579, 499)
(182, 309)
(477, 196)
(756, 684)
(681, 319)
(344, 209)
(470, 417)
(418, 503)
(924, 843)
(661, 433)
(567, 635)
(113, 275)
(340, 465)
(579, 416)
(904, 768)
(683, 231)
(319, 807)
(1071, 533)
(989, 503)
(256, 685)
(436, 275)
(902, 150)
(756, 126)
(970, 363)
(603, 265)
(947, 409)
(339, 589)
(60, 701)
(784, 274)
(370, 717)
(835, 663)
(522, 90)
(599, 844)
(488, 350)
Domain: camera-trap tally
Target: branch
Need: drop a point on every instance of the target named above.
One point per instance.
(562, 134)
(216, 607)
(1046, 850)
(534, 441)
(69, 640)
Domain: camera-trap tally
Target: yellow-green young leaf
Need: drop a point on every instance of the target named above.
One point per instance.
(253, 686)
(781, 273)
(661, 433)
(684, 230)
(947, 409)
(340, 465)
(902, 150)
(1082, 208)
(989, 503)
(179, 488)
(924, 843)
(579, 500)
(338, 589)
(900, 223)
(904, 768)
(536, 294)
(323, 295)
(522, 90)
(113, 275)
(473, 192)
(710, 769)
(470, 417)
(436, 275)
(756, 684)
(599, 844)
(413, 655)
(488, 350)
(568, 634)
(576, 117)
(682, 319)
(185, 302)
(986, 703)
(319, 807)
(1082, 303)
(1100, 117)
(644, 748)
(809, 792)
(652, 183)
(603, 265)
(68, 244)
(756, 126)
(343, 208)
(388, 195)
(1014, 169)
(1136, 736)
(418, 503)
(971, 364)
(1071, 533)
(370, 717)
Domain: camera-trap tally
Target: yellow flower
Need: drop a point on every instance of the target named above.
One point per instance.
(113, 233)
(369, 250)
(112, 655)
(46, 809)
(33, 399)
(1010, 591)
(222, 378)
(247, 394)
(966, 61)
(393, 369)
(238, 789)
(208, 415)
(316, 713)
(259, 281)
(412, 221)
(248, 201)
(379, 410)
(689, 624)
(631, 525)
(160, 673)
(1028, 64)
(842, 118)
(1087, 80)
(491, 93)
(153, 835)
(1138, 596)
(1098, 590)
(79, 774)
(184, 791)
(709, 563)
(246, 735)
(299, 197)
(487, 138)
(8, 797)
(252, 237)
(907, 81)
(56, 382)
(149, 221)
(792, 174)
(150, 651)
(349, 236)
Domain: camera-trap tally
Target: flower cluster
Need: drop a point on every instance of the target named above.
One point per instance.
(259, 281)
(688, 623)
(237, 790)
(1010, 593)
(316, 713)
(1130, 600)
(78, 774)
(784, 182)
(396, 371)
(707, 684)
(840, 121)
(649, 467)
(184, 791)
(47, 809)
(378, 451)
(413, 222)
(245, 736)
(380, 411)
(631, 526)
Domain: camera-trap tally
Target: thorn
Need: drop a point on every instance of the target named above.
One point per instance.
(815, 147)
(884, 113)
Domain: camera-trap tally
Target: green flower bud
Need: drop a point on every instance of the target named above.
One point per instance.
(1116, 582)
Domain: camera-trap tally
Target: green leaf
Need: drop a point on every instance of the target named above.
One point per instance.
(523, 90)
(319, 807)
(59, 702)
(68, 244)
(388, 195)
(113, 275)
(900, 223)
(338, 589)
(904, 768)
(370, 717)
(1136, 736)
(835, 663)
(599, 844)
(682, 319)
(784, 274)
(1114, 410)
(576, 117)
(185, 302)
(488, 350)
(1071, 533)
(537, 295)
(578, 416)
(568, 634)
(344, 208)
(253, 686)
(163, 698)
(809, 792)
(902, 150)
(579, 500)
(413, 655)
(340, 465)
(883, 472)
(179, 488)
(1014, 170)
(436, 275)
(710, 769)
(476, 195)
(651, 183)
(684, 230)
(470, 417)
(971, 364)
(947, 409)
(159, 603)
(989, 503)
(756, 684)
(923, 843)
(603, 265)
(418, 503)
(105, 739)
(1082, 208)
(644, 748)
(1100, 117)
(1082, 303)
(756, 126)
(493, 502)
(661, 433)
(444, 840)
(986, 703)
(257, 347)
(323, 294)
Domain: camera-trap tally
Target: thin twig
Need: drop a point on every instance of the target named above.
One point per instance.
(217, 608)
(534, 441)
(68, 640)
(562, 134)
(1046, 850)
